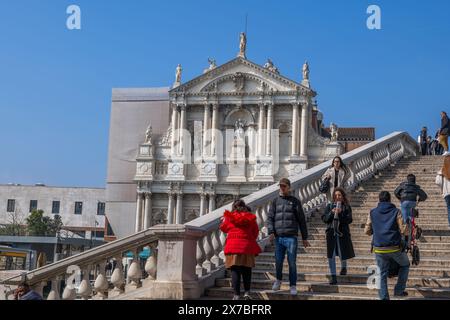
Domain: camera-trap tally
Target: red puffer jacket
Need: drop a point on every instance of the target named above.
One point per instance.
(242, 232)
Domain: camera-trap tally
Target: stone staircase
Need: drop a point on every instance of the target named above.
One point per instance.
(429, 280)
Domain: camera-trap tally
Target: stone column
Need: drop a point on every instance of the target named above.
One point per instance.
(139, 205)
(305, 125)
(179, 216)
(269, 129)
(148, 211)
(294, 140)
(215, 117)
(202, 204)
(174, 128)
(206, 126)
(183, 126)
(170, 208)
(260, 130)
(212, 202)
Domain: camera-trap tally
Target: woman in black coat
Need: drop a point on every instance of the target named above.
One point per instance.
(338, 217)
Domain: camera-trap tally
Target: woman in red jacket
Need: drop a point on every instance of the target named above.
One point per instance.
(241, 247)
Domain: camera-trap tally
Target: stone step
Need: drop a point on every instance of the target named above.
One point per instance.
(354, 289)
(413, 281)
(365, 244)
(227, 293)
(364, 260)
(366, 250)
(419, 272)
(355, 237)
(360, 232)
(424, 216)
(360, 228)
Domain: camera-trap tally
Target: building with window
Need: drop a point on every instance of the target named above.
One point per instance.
(82, 210)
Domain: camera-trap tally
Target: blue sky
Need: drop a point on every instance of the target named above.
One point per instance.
(55, 84)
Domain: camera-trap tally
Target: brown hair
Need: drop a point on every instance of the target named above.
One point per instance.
(446, 167)
(344, 195)
(239, 205)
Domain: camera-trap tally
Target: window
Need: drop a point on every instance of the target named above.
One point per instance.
(11, 207)
(78, 207)
(55, 207)
(33, 205)
(101, 209)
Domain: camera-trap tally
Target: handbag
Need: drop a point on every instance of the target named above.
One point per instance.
(325, 186)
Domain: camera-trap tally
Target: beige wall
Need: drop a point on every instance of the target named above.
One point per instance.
(132, 111)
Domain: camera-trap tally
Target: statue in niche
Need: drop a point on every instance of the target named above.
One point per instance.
(148, 135)
(239, 132)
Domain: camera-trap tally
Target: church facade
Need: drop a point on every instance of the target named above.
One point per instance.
(233, 130)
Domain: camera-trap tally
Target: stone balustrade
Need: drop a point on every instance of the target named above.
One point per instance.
(190, 257)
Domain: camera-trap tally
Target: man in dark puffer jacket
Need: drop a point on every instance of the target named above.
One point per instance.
(284, 220)
(409, 193)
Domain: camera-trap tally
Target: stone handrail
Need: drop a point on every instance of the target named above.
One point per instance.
(190, 256)
(91, 265)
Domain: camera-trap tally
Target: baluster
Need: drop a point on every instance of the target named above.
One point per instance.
(151, 263)
(54, 292)
(101, 283)
(264, 215)
(209, 251)
(85, 290)
(134, 272)
(201, 255)
(223, 238)
(69, 292)
(217, 248)
(259, 221)
(117, 278)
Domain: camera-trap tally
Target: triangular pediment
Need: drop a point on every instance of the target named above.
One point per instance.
(240, 76)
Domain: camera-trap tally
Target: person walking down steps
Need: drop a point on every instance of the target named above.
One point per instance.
(337, 175)
(338, 217)
(285, 219)
(241, 247)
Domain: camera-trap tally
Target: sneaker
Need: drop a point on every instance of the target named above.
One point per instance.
(236, 297)
(343, 272)
(276, 285)
(293, 290)
(333, 280)
(247, 296)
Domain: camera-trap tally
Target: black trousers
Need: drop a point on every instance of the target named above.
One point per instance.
(236, 273)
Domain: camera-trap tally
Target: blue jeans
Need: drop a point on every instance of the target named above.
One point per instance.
(332, 261)
(407, 207)
(289, 244)
(383, 262)
(447, 200)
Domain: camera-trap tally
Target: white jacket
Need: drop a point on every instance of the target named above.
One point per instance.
(444, 183)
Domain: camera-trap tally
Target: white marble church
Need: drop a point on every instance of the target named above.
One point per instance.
(234, 129)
